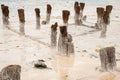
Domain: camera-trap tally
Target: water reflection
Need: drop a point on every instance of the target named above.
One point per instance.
(62, 65)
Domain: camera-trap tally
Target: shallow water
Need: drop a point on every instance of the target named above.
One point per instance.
(62, 65)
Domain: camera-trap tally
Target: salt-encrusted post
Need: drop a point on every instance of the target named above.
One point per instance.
(11, 72)
(77, 13)
(37, 11)
(49, 9)
(108, 10)
(65, 16)
(2, 9)
(5, 14)
(107, 57)
(65, 44)
(62, 46)
(54, 35)
(76, 4)
(21, 20)
(104, 24)
(82, 5)
(100, 13)
(106, 20)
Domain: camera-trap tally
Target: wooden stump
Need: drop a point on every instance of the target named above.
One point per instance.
(6, 11)
(65, 44)
(21, 20)
(107, 57)
(106, 17)
(76, 4)
(109, 8)
(107, 14)
(65, 16)
(49, 8)
(100, 13)
(70, 45)
(37, 11)
(54, 34)
(77, 13)
(11, 72)
(48, 14)
(2, 8)
(5, 14)
(77, 9)
(82, 5)
(63, 31)
(106, 21)
(62, 46)
(21, 15)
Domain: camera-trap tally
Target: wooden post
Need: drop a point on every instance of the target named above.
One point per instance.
(2, 9)
(106, 21)
(107, 57)
(108, 11)
(65, 16)
(77, 13)
(65, 44)
(21, 20)
(75, 5)
(2, 6)
(100, 13)
(54, 34)
(82, 5)
(109, 8)
(62, 46)
(11, 72)
(70, 45)
(63, 31)
(49, 8)
(37, 11)
(5, 14)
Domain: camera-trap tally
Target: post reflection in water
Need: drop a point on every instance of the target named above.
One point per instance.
(62, 65)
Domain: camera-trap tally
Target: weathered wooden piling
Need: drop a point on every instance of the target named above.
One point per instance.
(100, 13)
(76, 4)
(65, 44)
(77, 13)
(108, 11)
(109, 8)
(54, 34)
(21, 20)
(2, 6)
(62, 46)
(82, 5)
(106, 21)
(65, 16)
(107, 57)
(11, 72)
(49, 9)
(37, 11)
(5, 14)
(2, 9)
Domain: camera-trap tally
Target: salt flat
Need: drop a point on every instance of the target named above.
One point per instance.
(22, 50)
